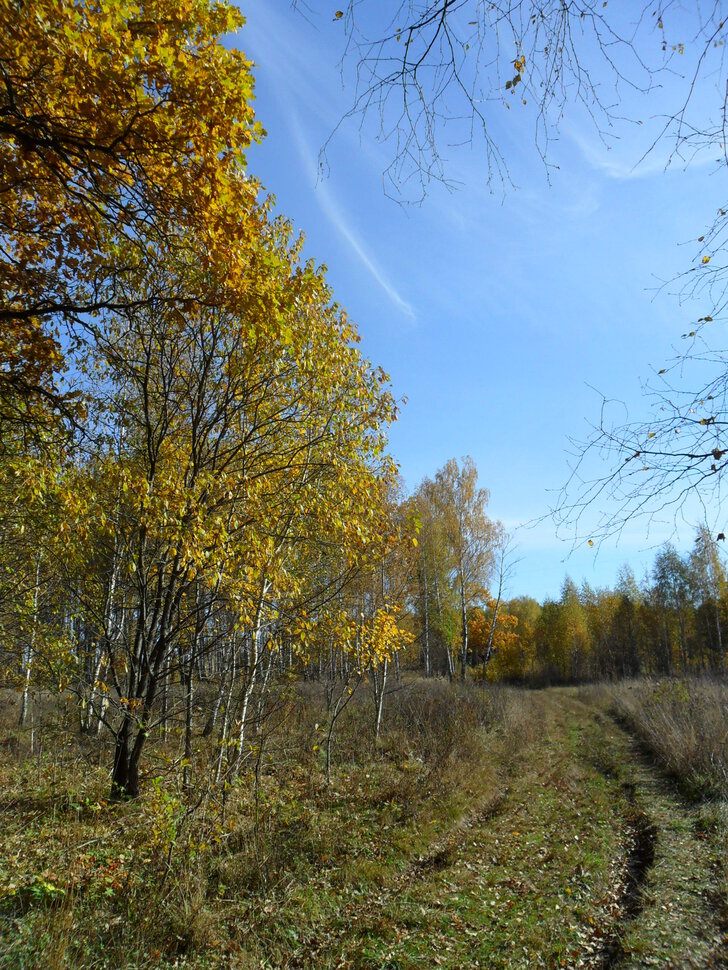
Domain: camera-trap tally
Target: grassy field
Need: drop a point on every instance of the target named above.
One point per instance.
(486, 828)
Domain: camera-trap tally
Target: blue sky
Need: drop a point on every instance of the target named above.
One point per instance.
(500, 316)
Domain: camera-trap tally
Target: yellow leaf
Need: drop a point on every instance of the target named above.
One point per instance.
(706, 259)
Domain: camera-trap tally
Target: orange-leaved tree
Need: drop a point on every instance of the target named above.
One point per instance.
(117, 121)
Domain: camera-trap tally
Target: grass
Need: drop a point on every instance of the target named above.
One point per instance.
(485, 828)
(683, 917)
(253, 869)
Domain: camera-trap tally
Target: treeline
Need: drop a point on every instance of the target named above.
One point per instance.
(672, 622)
(170, 595)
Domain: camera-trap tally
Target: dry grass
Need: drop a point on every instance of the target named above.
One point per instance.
(685, 724)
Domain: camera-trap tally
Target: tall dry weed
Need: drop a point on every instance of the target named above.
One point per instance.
(685, 724)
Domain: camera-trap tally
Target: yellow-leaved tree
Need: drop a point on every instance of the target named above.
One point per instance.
(229, 436)
(230, 424)
(117, 120)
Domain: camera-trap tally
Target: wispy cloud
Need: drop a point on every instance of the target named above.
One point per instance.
(293, 75)
(633, 158)
(337, 216)
(609, 161)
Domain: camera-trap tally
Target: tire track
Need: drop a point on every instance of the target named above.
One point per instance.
(673, 912)
(439, 857)
(642, 838)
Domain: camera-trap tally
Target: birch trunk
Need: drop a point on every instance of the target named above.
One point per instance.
(426, 604)
(379, 687)
(464, 616)
(29, 652)
(253, 661)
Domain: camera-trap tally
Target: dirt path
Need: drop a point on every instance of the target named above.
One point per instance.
(587, 858)
(673, 909)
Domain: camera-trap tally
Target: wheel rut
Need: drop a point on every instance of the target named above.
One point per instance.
(439, 857)
(641, 841)
(441, 854)
(585, 857)
(672, 907)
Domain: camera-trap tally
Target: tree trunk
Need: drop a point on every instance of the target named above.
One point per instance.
(92, 718)
(379, 687)
(125, 773)
(464, 613)
(252, 672)
(212, 719)
(502, 569)
(189, 695)
(491, 636)
(29, 652)
(226, 718)
(426, 607)
(343, 699)
(263, 690)
(450, 663)
(719, 632)
(164, 713)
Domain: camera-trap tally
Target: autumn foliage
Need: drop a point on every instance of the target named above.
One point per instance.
(122, 126)
(221, 476)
